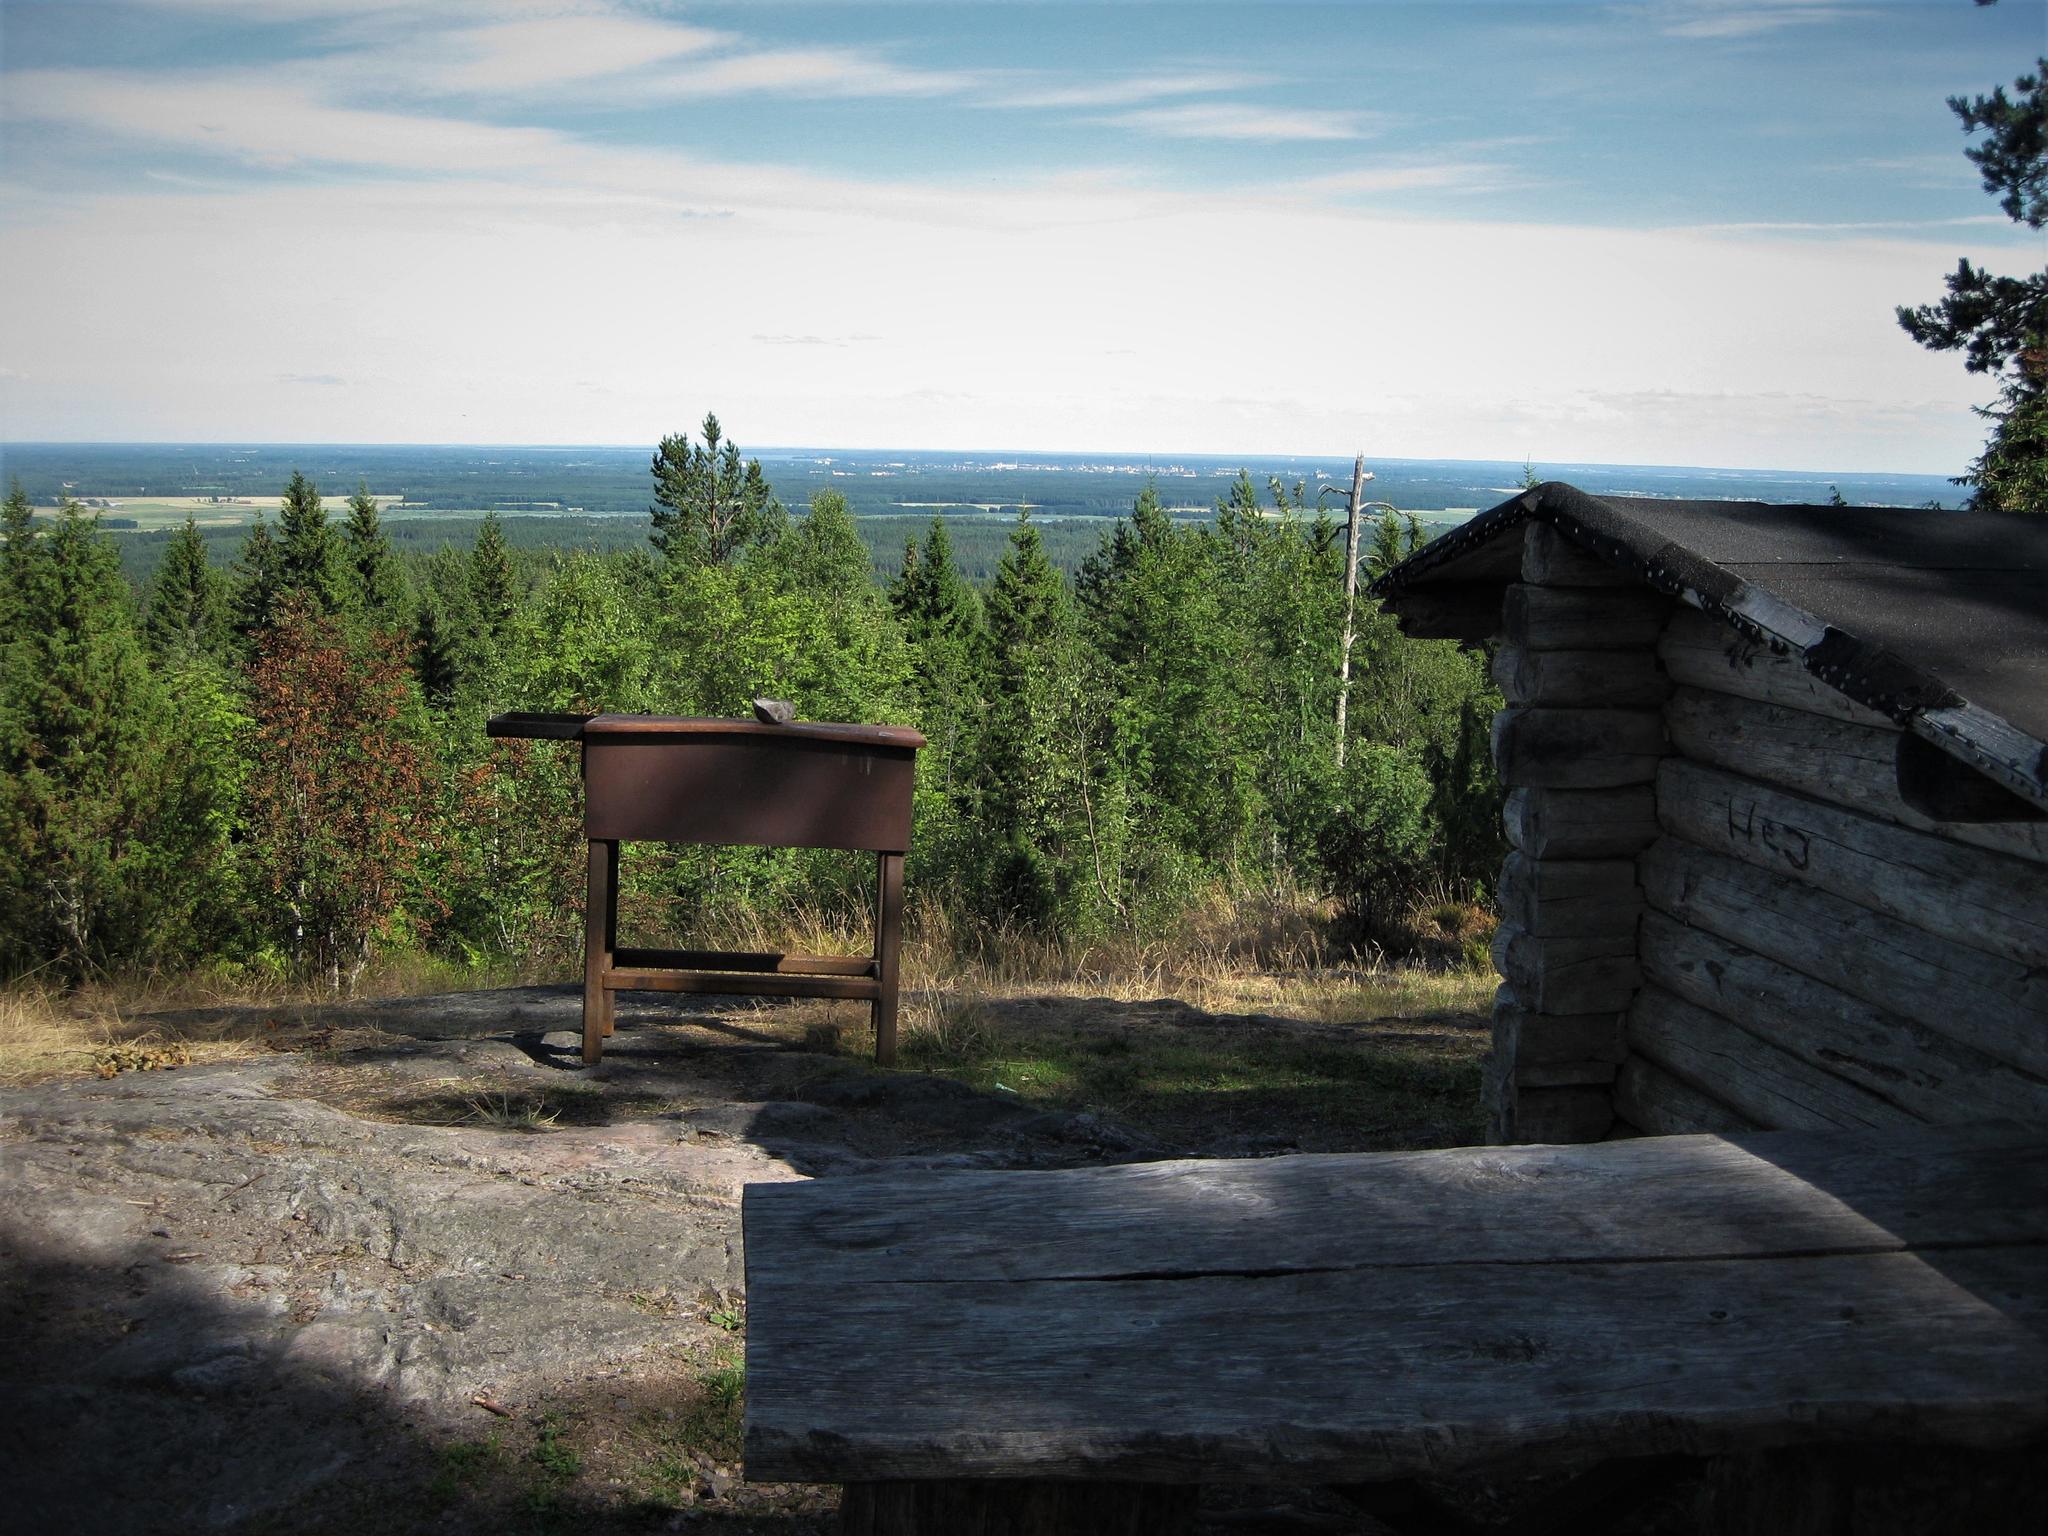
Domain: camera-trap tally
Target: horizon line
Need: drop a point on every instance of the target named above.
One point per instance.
(1245, 460)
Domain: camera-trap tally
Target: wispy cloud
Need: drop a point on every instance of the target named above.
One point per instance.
(317, 380)
(1844, 226)
(813, 341)
(549, 50)
(1233, 120)
(249, 116)
(1709, 19)
(1413, 176)
(806, 71)
(1123, 91)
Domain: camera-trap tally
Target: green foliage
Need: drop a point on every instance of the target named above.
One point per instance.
(492, 594)
(378, 589)
(707, 507)
(293, 770)
(310, 566)
(187, 612)
(340, 789)
(254, 584)
(104, 813)
(2000, 323)
(2012, 473)
(1395, 536)
(1382, 833)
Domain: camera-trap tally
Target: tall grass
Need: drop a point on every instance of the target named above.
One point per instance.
(1270, 951)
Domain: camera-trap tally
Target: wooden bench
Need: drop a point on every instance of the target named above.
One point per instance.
(1081, 1348)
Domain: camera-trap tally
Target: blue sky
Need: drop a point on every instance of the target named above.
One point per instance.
(1657, 232)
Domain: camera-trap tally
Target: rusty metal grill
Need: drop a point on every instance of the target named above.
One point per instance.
(681, 779)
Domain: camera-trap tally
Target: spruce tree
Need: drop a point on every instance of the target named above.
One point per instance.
(493, 594)
(101, 834)
(309, 558)
(379, 583)
(254, 583)
(941, 619)
(450, 655)
(1034, 743)
(436, 654)
(847, 659)
(187, 612)
(932, 598)
(18, 530)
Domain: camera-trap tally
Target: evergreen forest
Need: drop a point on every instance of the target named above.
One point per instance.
(279, 768)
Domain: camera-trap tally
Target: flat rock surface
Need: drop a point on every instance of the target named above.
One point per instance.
(312, 1289)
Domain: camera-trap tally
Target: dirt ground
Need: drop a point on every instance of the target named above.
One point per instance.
(410, 1267)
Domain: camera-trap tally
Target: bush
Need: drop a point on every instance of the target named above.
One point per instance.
(1376, 847)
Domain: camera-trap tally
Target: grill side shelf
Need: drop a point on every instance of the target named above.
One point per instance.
(537, 725)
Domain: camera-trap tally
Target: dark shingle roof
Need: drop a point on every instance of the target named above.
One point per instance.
(1938, 619)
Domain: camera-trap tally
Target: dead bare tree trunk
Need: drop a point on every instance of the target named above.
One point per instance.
(1350, 597)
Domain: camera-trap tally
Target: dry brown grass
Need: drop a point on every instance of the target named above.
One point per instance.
(1259, 955)
(43, 1034)
(1268, 953)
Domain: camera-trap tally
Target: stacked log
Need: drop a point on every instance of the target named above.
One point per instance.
(1817, 951)
(1578, 749)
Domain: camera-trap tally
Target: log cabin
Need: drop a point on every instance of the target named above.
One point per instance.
(1777, 798)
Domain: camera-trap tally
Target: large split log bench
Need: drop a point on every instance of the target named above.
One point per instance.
(1078, 1350)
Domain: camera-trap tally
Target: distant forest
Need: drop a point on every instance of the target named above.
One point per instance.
(281, 768)
(979, 543)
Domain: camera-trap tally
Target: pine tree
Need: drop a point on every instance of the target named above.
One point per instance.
(187, 612)
(379, 582)
(2000, 324)
(707, 506)
(309, 557)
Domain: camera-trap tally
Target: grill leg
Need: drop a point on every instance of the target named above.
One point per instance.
(600, 928)
(888, 940)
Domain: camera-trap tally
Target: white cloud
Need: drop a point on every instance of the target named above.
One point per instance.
(804, 71)
(1855, 226)
(955, 313)
(1233, 120)
(1121, 91)
(970, 307)
(250, 116)
(1714, 19)
(552, 51)
(1409, 176)
(812, 341)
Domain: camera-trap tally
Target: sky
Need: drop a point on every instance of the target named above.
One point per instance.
(1666, 231)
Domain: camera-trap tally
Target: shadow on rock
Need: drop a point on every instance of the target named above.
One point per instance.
(136, 1402)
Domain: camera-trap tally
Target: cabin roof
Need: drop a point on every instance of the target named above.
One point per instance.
(1937, 619)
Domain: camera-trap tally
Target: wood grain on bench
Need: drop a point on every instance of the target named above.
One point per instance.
(1367, 1317)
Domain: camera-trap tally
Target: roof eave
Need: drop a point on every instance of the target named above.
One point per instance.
(1438, 593)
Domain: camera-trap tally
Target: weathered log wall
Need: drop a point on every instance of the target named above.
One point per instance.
(1815, 951)
(1578, 748)
(1721, 913)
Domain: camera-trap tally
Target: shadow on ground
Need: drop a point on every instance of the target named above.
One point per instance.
(410, 1266)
